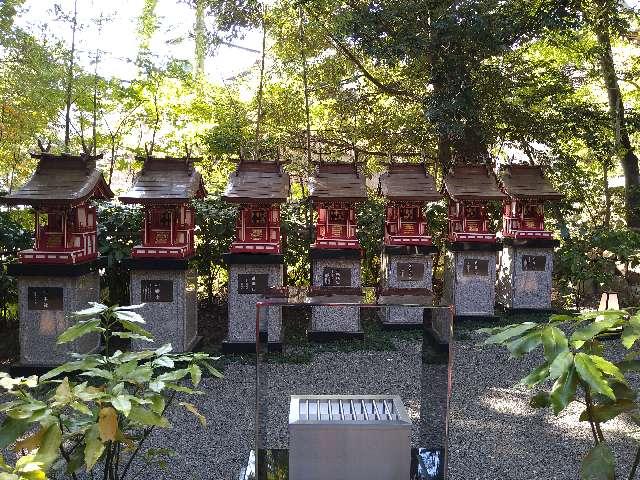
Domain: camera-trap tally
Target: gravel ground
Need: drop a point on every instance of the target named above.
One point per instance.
(495, 434)
(221, 449)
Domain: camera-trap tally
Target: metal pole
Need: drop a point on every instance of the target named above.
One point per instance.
(257, 419)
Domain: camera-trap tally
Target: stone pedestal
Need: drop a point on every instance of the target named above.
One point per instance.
(169, 291)
(47, 295)
(336, 279)
(406, 279)
(470, 279)
(250, 278)
(525, 271)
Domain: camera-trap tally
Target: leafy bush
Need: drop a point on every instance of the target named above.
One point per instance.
(578, 367)
(370, 214)
(297, 225)
(13, 238)
(118, 232)
(103, 415)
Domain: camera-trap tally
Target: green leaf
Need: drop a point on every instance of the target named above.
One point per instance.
(174, 375)
(129, 317)
(213, 371)
(50, 445)
(525, 343)
(95, 309)
(540, 400)
(148, 418)
(561, 364)
(590, 373)
(134, 336)
(605, 412)
(76, 459)
(598, 326)
(510, 331)
(80, 329)
(122, 404)
(10, 430)
(564, 390)
(536, 376)
(69, 367)
(94, 448)
(607, 367)
(599, 464)
(164, 361)
(166, 348)
(193, 409)
(631, 332)
(196, 374)
(554, 341)
(135, 328)
(157, 403)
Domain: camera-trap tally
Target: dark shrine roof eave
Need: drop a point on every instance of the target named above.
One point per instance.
(100, 191)
(415, 198)
(250, 200)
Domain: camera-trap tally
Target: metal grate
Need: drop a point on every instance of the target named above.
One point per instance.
(340, 409)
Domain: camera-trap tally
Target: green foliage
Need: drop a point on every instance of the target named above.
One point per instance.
(370, 214)
(575, 361)
(298, 230)
(118, 232)
(106, 410)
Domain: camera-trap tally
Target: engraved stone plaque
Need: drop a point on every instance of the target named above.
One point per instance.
(336, 277)
(475, 267)
(45, 298)
(534, 263)
(410, 272)
(252, 283)
(156, 291)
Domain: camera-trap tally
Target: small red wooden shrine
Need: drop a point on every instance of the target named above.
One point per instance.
(335, 188)
(165, 187)
(523, 211)
(60, 192)
(258, 187)
(470, 188)
(407, 188)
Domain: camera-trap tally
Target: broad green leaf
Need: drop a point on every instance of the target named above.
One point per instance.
(156, 386)
(554, 341)
(148, 418)
(607, 367)
(129, 307)
(536, 376)
(561, 364)
(135, 328)
(564, 390)
(604, 413)
(174, 375)
(63, 393)
(213, 371)
(599, 464)
(196, 374)
(122, 404)
(561, 318)
(98, 372)
(192, 408)
(164, 361)
(598, 326)
(525, 343)
(128, 356)
(631, 332)
(94, 448)
(181, 389)
(141, 374)
(133, 336)
(108, 424)
(95, 309)
(50, 445)
(157, 403)
(80, 329)
(590, 373)
(69, 367)
(129, 316)
(166, 348)
(76, 459)
(509, 332)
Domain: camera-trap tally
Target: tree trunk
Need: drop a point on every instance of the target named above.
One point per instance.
(624, 149)
(305, 84)
(200, 41)
(67, 118)
(261, 84)
(607, 194)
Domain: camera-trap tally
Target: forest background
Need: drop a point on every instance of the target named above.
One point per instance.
(555, 83)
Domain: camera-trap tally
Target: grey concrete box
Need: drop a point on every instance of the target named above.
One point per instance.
(44, 307)
(399, 271)
(247, 283)
(336, 319)
(343, 437)
(171, 307)
(470, 282)
(524, 278)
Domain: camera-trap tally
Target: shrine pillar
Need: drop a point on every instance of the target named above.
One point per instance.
(407, 252)
(471, 256)
(59, 275)
(163, 276)
(336, 254)
(255, 260)
(525, 266)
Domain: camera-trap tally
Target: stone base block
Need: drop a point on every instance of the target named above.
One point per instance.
(402, 316)
(335, 319)
(45, 303)
(524, 278)
(247, 284)
(171, 307)
(469, 282)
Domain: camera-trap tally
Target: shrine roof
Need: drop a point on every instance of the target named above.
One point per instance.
(527, 181)
(257, 182)
(61, 179)
(338, 181)
(472, 182)
(408, 182)
(166, 180)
